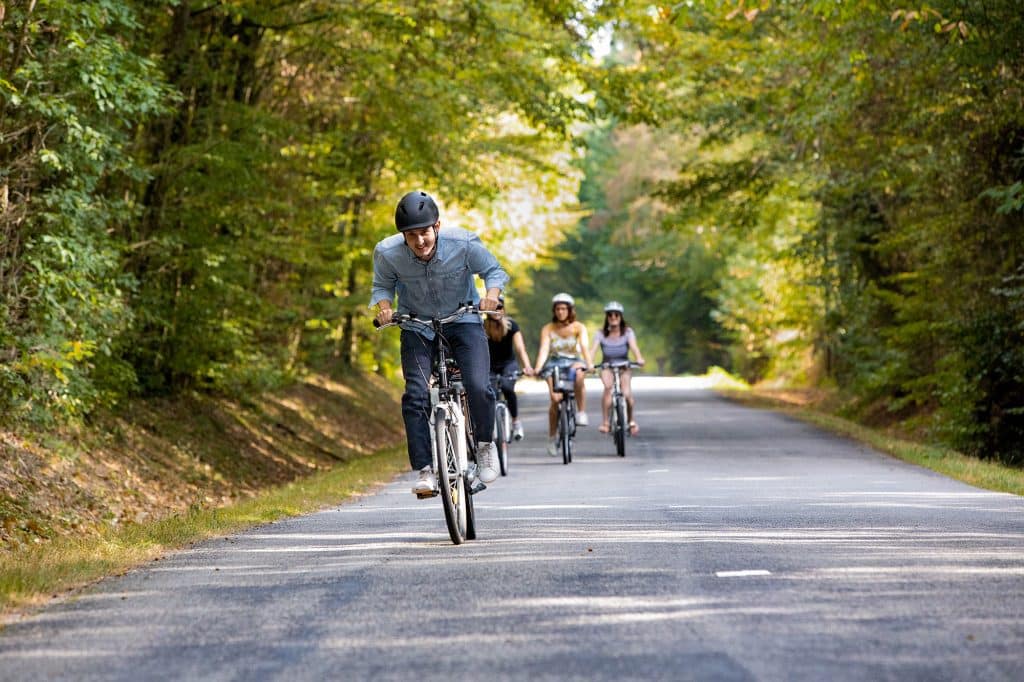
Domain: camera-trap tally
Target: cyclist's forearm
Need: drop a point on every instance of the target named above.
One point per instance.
(490, 299)
(636, 352)
(541, 359)
(384, 311)
(542, 353)
(520, 348)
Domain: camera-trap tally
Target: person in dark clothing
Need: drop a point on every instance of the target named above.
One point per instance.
(505, 342)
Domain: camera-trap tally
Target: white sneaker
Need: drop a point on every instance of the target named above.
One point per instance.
(426, 484)
(487, 462)
(553, 447)
(581, 419)
(517, 430)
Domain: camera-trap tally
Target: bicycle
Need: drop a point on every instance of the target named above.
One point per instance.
(617, 411)
(502, 419)
(566, 423)
(452, 432)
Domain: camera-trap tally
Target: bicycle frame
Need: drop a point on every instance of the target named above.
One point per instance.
(566, 423)
(618, 410)
(502, 419)
(452, 432)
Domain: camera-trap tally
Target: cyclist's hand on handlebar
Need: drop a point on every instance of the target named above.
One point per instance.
(383, 317)
(488, 304)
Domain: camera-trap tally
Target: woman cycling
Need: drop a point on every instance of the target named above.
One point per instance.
(616, 339)
(565, 341)
(505, 341)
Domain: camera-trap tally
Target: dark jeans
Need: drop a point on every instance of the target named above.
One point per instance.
(468, 345)
(508, 385)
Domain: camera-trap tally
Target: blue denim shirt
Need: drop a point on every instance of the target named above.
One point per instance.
(438, 286)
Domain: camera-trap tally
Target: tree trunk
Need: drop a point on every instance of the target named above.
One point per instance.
(351, 234)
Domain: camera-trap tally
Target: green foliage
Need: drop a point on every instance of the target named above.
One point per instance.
(190, 194)
(295, 130)
(71, 93)
(800, 191)
(851, 173)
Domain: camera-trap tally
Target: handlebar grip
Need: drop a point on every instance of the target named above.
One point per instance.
(376, 323)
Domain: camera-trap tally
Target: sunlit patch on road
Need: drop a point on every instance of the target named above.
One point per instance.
(525, 507)
(752, 478)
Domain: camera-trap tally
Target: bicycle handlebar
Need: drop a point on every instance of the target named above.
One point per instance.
(620, 364)
(399, 318)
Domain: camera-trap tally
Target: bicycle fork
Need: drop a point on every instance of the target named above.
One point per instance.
(455, 422)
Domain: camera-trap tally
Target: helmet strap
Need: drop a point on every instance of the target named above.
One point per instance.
(437, 229)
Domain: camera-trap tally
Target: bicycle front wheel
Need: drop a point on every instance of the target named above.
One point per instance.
(620, 427)
(470, 512)
(564, 433)
(450, 480)
(501, 436)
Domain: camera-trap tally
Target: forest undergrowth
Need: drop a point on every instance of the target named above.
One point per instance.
(162, 456)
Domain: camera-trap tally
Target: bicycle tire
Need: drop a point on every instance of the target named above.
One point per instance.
(470, 510)
(563, 433)
(620, 426)
(467, 484)
(450, 481)
(501, 436)
(507, 421)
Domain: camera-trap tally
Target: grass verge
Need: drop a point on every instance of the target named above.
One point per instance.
(31, 576)
(971, 470)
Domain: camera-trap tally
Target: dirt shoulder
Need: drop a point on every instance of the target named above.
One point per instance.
(161, 457)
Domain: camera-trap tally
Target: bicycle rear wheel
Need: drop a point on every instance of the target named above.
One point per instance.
(620, 426)
(450, 480)
(501, 435)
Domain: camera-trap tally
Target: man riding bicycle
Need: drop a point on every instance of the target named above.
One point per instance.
(432, 274)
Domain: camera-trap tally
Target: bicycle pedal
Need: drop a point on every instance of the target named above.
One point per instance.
(477, 487)
(427, 495)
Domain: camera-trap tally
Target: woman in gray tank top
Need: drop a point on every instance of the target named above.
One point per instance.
(616, 340)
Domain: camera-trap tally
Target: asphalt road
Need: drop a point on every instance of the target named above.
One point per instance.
(729, 544)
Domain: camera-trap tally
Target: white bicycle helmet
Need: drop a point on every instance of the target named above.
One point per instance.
(563, 298)
(614, 307)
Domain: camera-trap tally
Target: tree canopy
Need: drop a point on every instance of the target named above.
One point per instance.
(801, 191)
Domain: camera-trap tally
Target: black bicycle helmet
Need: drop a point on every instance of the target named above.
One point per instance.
(415, 210)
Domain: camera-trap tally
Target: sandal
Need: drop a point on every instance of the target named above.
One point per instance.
(603, 428)
(633, 428)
